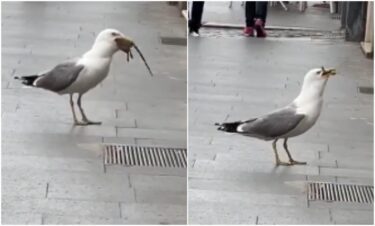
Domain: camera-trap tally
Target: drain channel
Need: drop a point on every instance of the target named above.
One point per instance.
(133, 155)
(333, 192)
(366, 90)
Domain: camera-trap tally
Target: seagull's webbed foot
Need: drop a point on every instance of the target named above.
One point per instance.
(78, 123)
(280, 163)
(294, 162)
(88, 122)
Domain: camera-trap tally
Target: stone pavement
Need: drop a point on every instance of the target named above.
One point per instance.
(52, 172)
(313, 17)
(232, 178)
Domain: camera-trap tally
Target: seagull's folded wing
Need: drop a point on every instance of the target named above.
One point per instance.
(60, 77)
(272, 125)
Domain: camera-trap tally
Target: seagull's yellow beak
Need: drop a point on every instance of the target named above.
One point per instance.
(328, 72)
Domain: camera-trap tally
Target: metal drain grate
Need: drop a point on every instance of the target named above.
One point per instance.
(176, 41)
(340, 192)
(366, 90)
(133, 155)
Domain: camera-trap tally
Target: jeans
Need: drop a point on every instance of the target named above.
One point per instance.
(255, 10)
(196, 16)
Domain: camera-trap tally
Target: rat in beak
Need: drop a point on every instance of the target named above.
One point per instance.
(328, 72)
(125, 44)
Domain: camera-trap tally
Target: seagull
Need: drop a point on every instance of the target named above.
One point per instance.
(84, 73)
(289, 121)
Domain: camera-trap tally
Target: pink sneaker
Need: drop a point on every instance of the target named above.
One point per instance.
(259, 27)
(248, 31)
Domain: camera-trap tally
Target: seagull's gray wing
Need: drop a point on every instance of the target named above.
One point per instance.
(60, 77)
(272, 125)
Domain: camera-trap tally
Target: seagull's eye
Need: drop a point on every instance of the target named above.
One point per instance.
(113, 34)
(318, 72)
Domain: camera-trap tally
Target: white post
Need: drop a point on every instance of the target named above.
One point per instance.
(368, 43)
(331, 7)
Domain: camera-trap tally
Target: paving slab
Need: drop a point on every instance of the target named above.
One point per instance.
(51, 219)
(352, 217)
(136, 170)
(69, 177)
(152, 133)
(253, 166)
(256, 214)
(148, 195)
(347, 172)
(52, 163)
(160, 213)
(22, 218)
(266, 184)
(70, 207)
(353, 180)
(294, 216)
(162, 142)
(34, 189)
(246, 199)
(158, 182)
(87, 192)
(340, 205)
(213, 214)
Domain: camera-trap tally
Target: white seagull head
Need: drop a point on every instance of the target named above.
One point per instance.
(109, 41)
(316, 79)
(319, 75)
(314, 83)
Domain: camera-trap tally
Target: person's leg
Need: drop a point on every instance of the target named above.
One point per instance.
(261, 14)
(196, 16)
(250, 13)
(250, 16)
(261, 11)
